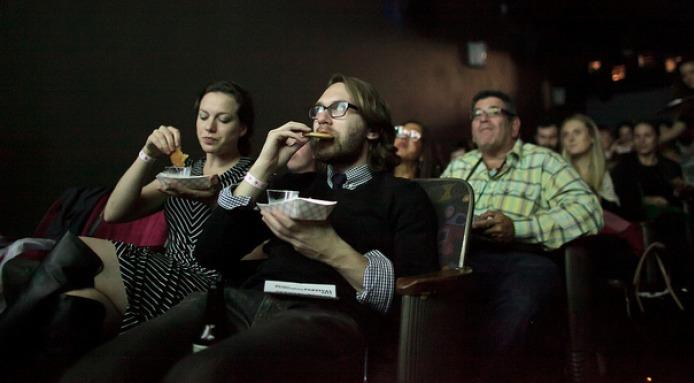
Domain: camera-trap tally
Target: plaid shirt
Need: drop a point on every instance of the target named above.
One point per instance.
(379, 276)
(537, 189)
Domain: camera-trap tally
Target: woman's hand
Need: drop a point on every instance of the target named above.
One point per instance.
(162, 142)
(205, 194)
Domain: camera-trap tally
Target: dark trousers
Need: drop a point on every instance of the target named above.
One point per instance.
(276, 339)
(514, 286)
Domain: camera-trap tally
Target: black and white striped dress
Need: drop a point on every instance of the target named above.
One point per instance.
(154, 281)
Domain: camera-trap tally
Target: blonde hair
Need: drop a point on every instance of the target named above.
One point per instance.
(596, 164)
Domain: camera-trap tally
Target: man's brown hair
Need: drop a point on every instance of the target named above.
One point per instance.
(374, 111)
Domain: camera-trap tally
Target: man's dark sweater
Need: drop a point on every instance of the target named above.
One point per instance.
(387, 214)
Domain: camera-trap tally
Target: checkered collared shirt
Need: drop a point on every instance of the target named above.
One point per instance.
(543, 195)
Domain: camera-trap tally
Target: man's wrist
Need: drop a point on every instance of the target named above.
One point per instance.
(254, 181)
(145, 157)
(261, 171)
(343, 257)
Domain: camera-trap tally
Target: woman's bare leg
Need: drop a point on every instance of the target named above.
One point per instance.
(109, 281)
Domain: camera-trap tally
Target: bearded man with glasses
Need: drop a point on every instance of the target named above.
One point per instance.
(337, 275)
(528, 200)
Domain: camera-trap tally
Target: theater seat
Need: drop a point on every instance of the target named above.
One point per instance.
(430, 312)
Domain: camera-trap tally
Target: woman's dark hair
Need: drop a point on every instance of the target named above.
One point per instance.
(421, 126)
(245, 113)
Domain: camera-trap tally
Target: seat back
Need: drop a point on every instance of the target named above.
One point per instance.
(149, 231)
(74, 210)
(430, 321)
(454, 201)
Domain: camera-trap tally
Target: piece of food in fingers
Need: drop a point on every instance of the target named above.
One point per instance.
(319, 135)
(178, 158)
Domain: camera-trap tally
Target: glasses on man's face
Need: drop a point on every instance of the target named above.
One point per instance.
(336, 109)
(402, 132)
(492, 111)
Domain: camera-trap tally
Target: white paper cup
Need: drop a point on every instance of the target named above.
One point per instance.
(177, 171)
(274, 196)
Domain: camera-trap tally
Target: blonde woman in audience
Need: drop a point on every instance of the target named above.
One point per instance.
(582, 148)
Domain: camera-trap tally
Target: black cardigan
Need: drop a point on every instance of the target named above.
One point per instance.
(388, 214)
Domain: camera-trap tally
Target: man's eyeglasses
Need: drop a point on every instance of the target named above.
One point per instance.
(336, 109)
(492, 111)
(402, 132)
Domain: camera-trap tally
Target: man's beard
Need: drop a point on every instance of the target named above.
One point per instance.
(338, 152)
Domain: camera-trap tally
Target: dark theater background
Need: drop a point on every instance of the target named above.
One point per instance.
(83, 83)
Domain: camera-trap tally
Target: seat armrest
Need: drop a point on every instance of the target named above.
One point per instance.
(432, 283)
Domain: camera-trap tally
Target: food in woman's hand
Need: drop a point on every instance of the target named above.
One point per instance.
(319, 135)
(178, 158)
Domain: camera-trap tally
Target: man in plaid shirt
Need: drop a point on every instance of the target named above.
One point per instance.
(527, 200)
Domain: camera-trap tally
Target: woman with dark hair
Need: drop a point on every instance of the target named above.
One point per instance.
(410, 149)
(117, 285)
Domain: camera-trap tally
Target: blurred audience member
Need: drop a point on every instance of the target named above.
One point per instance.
(687, 73)
(607, 140)
(683, 107)
(410, 149)
(668, 132)
(582, 148)
(460, 149)
(547, 135)
(645, 179)
(625, 138)
(651, 188)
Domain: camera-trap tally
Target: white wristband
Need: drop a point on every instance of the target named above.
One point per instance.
(256, 183)
(144, 157)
